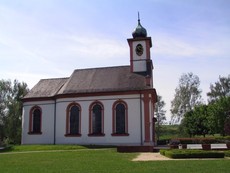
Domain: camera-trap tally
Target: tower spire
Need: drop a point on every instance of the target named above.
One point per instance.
(139, 31)
(139, 21)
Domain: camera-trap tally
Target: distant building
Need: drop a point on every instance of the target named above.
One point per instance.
(104, 106)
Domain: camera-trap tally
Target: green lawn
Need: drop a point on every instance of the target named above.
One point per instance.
(24, 148)
(101, 161)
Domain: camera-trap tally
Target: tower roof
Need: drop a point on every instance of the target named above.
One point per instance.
(139, 31)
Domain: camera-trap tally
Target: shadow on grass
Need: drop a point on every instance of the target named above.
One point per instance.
(5, 148)
(98, 146)
(23, 148)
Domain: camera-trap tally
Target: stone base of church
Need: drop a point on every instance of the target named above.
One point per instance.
(129, 149)
(149, 143)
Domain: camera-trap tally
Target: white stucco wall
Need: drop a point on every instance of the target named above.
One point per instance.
(47, 137)
(47, 127)
(107, 101)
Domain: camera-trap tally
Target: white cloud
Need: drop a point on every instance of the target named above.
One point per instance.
(97, 47)
(177, 47)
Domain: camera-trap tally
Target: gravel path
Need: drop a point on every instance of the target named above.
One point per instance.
(150, 156)
(159, 157)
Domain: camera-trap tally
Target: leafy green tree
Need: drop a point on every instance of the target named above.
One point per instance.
(213, 121)
(220, 89)
(5, 90)
(11, 109)
(195, 122)
(160, 115)
(187, 96)
(218, 113)
(187, 126)
(200, 120)
(227, 124)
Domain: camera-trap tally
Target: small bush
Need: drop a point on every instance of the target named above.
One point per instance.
(179, 154)
(162, 152)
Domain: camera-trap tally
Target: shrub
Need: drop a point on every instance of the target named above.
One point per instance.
(223, 139)
(179, 154)
(162, 152)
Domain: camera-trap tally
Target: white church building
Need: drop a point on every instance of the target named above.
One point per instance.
(96, 106)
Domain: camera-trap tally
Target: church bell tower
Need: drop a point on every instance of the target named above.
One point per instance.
(140, 44)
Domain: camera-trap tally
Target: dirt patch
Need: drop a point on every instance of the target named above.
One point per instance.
(159, 157)
(150, 156)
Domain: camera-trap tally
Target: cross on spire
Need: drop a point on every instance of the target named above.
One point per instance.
(138, 17)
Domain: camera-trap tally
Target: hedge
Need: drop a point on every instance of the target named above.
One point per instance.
(179, 154)
(213, 140)
(162, 152)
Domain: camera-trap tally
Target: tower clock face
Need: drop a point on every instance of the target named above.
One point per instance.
(139, 49)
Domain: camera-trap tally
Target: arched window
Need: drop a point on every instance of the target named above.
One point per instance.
(73, 120)
(96, 127)
(35, 122)
(120, 119)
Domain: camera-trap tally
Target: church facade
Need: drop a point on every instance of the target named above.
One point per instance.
(96, 106)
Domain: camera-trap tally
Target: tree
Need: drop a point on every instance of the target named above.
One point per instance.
(218, 114)
(11, 109)
(187, 96)
(195, 121)
(220, 89)
(187, 126)
(5, 89)
(160, 113)
(200, 120)
(227, 124)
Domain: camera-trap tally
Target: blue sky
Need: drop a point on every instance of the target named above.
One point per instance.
(50, 38)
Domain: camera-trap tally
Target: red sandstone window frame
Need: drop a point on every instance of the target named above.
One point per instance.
(114, 133)
(91, 134)
(68, 120)
(31, 119)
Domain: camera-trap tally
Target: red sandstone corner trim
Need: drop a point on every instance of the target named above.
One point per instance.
(146, 100)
